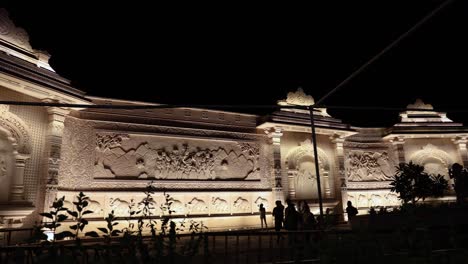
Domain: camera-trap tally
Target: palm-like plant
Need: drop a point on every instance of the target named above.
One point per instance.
(413, 184)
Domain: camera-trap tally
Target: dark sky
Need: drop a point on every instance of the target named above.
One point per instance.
(234, 54)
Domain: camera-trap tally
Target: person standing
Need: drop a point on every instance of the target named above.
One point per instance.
(351, 210)
(278, 214)
(263, 216)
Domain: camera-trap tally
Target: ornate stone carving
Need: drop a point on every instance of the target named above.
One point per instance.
(180, 161)
(219, 205)
(297, 98)
(95, 207)
(294, 157)
(241, 205)
(392, 199)
(177, 207)
(261, 200)
(301, 165)
(78, 166)
(13, 34)
(17, 128)
(362, 185)
(78, 154)
(300, 98)
(165, 130)
(434, 160)
(197, 206)
(376, 200)
(419, 104)
(368, 166)
(3, 166)
(120, 207)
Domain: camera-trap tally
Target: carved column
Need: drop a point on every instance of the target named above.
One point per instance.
(275, 136)
(17, 184)
(460, 142)
(398, 144)
(342, 184)
(53, 149)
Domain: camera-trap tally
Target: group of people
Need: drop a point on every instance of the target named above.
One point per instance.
(301, 219)
(290, 218)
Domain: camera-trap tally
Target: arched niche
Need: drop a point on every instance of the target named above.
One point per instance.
(15, 148)
(434, 160)
(302, 177)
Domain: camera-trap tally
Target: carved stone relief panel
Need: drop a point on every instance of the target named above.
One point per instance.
(174, 157)
(373, 198)
(3, 166)
(138, 156)
(197, 205)
(302, 172)
(6, 168)
(220, 205)
(181, 203)
(241, 205)
(363, 165)
(262, 200)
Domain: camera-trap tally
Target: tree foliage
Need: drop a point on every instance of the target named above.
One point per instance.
(412, 183)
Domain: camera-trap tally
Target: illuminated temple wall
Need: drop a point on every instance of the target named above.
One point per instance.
(217, 173)
(217, 166)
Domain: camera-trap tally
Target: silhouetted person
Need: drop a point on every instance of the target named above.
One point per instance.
(290, 216)
(351, 210)
(308, 222)
(263, 216)
(278, 214)
(291, 220)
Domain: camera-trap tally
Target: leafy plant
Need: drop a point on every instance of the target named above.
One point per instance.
(108, 231)
(148, 204)
(56, 218)
(80, 204)
(413, 184)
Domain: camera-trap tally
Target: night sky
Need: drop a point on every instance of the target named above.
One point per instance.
(233, 54)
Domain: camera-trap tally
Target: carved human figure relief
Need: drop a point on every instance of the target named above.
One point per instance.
(305, 181)
(368, 166)
(241, 205)
(150, 157)
(219, 205)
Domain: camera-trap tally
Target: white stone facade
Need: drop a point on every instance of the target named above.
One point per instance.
(217, 166)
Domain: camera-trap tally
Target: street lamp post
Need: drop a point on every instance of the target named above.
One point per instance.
(316, 160)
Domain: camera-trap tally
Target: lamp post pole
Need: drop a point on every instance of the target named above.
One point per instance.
(316, 160)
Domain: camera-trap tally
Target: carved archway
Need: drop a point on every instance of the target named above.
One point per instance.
(302, 178)
(14, 135)
(17, 130)
(434, 160)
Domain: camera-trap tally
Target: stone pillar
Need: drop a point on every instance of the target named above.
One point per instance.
(342, 183)
(53, 149)
(460, 142)
(275, 136)
(17, 183)
(398, 144)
